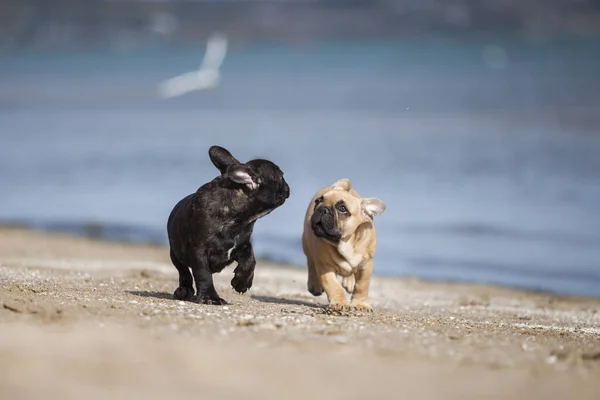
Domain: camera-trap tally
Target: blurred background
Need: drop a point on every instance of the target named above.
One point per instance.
(477, 122)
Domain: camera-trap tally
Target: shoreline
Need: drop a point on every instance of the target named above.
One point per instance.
(261, 260)
(100, 316)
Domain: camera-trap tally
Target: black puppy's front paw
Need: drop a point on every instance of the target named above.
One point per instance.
(183, 293)
(212, 301)
(241, 283)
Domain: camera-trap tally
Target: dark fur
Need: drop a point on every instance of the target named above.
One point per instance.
(204, 226)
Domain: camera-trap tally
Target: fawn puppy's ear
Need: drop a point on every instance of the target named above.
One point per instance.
(372, 207)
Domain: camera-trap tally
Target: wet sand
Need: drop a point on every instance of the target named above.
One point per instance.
(89, 319)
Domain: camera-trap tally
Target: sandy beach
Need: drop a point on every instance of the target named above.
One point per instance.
(89, 319)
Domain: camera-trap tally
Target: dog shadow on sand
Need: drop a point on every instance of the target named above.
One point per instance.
(156, 295)
(262, 299)
(277, 300)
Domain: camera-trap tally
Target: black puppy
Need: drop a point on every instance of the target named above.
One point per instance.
(211, 228)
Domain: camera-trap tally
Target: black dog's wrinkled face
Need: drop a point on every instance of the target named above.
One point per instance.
(270, 188)
(260, 180)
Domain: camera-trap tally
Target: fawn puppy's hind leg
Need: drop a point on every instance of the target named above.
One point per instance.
(360, 294)
(314, 281)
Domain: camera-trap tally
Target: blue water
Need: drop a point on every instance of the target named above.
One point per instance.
(491, 173)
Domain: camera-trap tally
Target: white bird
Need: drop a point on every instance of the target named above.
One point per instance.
(206, 77)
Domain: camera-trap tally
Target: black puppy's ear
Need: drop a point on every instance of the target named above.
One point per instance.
(242, 174)
(221, 158)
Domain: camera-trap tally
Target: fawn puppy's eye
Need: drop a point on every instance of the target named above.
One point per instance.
(341, 207)
(318, 201)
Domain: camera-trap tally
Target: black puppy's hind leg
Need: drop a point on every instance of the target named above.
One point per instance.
(185, 291)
